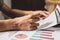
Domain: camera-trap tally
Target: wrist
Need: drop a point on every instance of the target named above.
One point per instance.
(10, 25)
(3, 26)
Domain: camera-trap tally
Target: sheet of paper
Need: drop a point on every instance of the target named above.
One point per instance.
(25, 35)
(4, 36)
(49, 21)
(37, 35)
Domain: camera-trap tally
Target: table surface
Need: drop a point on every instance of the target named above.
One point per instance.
(8, 35)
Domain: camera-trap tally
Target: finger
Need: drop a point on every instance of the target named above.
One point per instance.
(41, 18)
(33, 27)
(26, 17)
(36, 18)
(30, 20)
(34, 24)
(43, 15)
(46, 12)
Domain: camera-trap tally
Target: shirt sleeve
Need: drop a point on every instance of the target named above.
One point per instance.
(1, 4)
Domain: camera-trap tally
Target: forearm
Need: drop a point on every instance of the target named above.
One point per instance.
(13, 24)
(4, 26)
(21, 12)
(6, 9)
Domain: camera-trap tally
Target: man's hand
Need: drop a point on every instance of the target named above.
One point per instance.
(41, 14)
(20, 12)
(26, 22)
(21, 23)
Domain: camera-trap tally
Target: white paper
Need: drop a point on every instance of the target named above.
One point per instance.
(49, 21)
(4, 36)
(28, 33)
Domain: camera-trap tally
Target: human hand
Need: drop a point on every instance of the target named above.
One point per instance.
(21, 23)
(41, 14)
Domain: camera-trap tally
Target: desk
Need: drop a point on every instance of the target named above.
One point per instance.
(8, 35)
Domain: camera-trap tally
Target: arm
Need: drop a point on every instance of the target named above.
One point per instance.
(5, 9)
(13, 24)
(4, 27)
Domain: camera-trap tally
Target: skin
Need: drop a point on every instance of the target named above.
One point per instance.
(20, 23)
